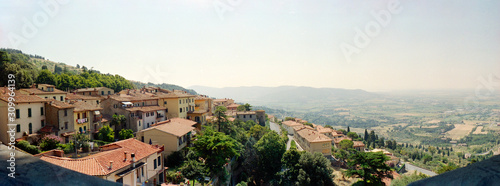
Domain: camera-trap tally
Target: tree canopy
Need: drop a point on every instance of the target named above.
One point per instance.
(270, 149)
(370, 166)
(106, 134)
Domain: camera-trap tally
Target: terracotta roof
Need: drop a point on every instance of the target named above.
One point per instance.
(323, 130)
(234, 105)
(90, 89)
(313, 136)
(72, 96)
(245, 112)
(175, 126)
(19, 97)
(59, 104)
(198, 112)
(176, 94)
(201, 97)
(291, 123)
(38, 91)
(358, 144)
(47, 129)
(145, 108)
(84, 106)
(98, 164)
(133, 95)
(338, 140)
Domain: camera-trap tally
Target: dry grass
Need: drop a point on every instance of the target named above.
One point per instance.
(340, 179)
(478, 130)
(407, 114)
(433, 121)
(460, 131)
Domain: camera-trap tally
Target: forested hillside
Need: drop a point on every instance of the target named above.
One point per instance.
(30, 69)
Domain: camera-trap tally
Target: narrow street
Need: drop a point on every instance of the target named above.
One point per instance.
(276, 127)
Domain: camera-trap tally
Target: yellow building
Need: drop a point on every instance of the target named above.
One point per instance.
(177, 103)
(87, 118)
(174, 134)
(313, 141)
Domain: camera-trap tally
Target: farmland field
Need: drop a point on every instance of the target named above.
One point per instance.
(460, 131)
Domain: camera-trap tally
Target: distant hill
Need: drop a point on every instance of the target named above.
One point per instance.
(163, 86)
(286, 95)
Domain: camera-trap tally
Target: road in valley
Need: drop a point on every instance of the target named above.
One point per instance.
(410, 167)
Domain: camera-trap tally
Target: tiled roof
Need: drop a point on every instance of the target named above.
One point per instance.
(98, 164)
(233, 105)
(313, 136)
(245, 113)
(84, 106)
(176, 126)
(323, 130)
(338, 140)
(176, 94)
(145, 108)
(200, 97)
(72, 96)
(358, 144)
(38, 91)
(90, 89)
(291, 123)
(59, 104)
(19, 97)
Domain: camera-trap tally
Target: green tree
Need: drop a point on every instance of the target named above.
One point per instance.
(427, 158)
(315, 169)
(407, 179)
(44, 67)
(118, 120)
(290, 162)
(220, 115)
(216, 148)
(193, 170)
(106, 134)
(348, 129)
(346, 144)
(257, 131)
(352, 135)
(432, 150)
(451, 166)
(126, 134)
(371, 167)
(270, 149)
(241, 108)
(248, 107)
(50, 142)
(366, 135)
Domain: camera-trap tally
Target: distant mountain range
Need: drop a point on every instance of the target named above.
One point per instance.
(285, 95)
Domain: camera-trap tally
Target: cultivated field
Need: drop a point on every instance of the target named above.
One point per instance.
(460, 131)
(478, 130)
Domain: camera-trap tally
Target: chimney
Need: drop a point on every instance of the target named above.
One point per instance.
(133, 156)
(125, 155)
(110, 164)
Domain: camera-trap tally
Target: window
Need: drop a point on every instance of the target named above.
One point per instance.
(142, 139)
(41, 111)
(159, 161)
(132, 114)
(29, 112)
(250, 116)
(179, 101)
(83, 93)
(109, 92)
(154, 162)
(166, 110)
(62, 98)
(65, 112)
(115, 106)
(18, 128)
(102, 92)
(90, 93)
(43, 123)
(181, 110)
(80, 129)
(165, 102)
(66, 125)
(30, 128)
(97, 102)
(244, 116)
(84, 128)
(147, 114)
(152, 113)
(17, 114)
(54, 97)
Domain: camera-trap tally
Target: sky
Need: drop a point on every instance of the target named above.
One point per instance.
(358, 44)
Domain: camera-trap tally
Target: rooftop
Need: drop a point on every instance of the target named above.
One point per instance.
(291, 123)
(313, 136)
(175, 126)
(59, 104)
(84, 106)
(38, 91)
(90, 89)
(19, 97)
(145, 108)
(98, 164)
(73, 96)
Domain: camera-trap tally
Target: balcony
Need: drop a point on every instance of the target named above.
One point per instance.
(83, 120)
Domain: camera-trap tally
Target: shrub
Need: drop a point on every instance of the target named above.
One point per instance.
(26, 146)
(50, 142)
(175, 159)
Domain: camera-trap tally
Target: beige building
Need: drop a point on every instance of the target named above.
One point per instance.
(258, 116)
(202, 109)
(313, 141)
(140, 108)
(233, 107)
(45, 91)
(29, 115)
(289, 125)
(60, 119)
(129, 162)
(222, 102)
(97, 91)
(174, 134)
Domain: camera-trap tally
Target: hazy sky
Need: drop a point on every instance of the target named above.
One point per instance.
(425, 44)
